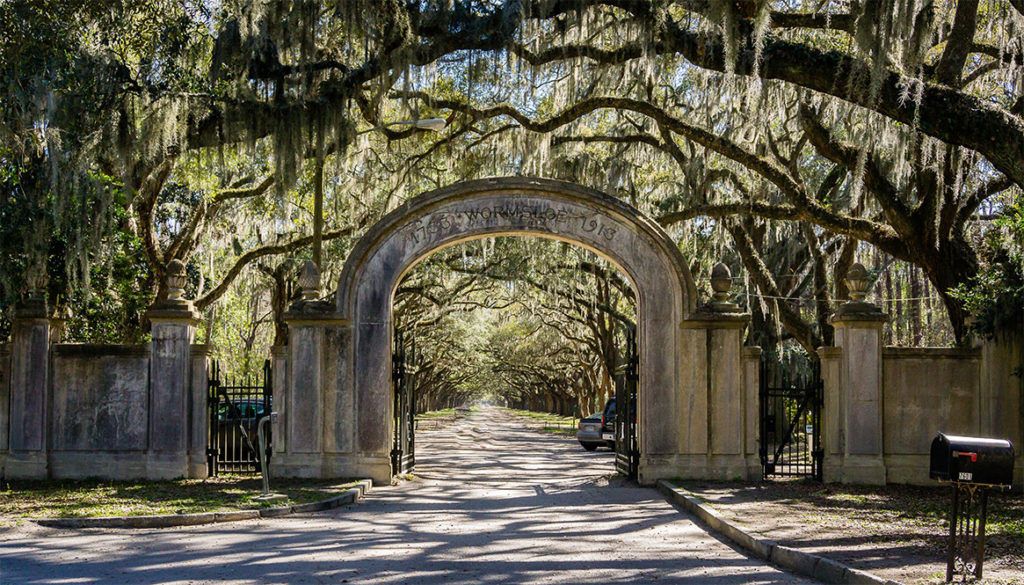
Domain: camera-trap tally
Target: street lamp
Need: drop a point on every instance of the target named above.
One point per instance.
(428, 124)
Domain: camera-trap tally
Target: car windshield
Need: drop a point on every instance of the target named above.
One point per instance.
(240, 409)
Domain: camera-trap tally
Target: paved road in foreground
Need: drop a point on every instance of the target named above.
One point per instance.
(492, 503)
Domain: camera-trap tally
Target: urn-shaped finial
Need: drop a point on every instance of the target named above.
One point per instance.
(175, 280)
(36, 281)
(309, 281)
(721, 282)
(858, 282)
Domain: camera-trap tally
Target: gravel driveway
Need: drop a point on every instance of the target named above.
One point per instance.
(491, 503)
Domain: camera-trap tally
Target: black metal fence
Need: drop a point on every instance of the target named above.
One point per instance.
(790, 418)
(627, 447)
(236, 407)
(403, 451)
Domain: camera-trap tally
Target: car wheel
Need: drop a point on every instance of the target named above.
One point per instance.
(589, 446)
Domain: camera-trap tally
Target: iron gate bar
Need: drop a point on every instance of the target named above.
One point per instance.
(235, 406)
(403, 455)
(792, 426)
(627, 452)
(790, 401)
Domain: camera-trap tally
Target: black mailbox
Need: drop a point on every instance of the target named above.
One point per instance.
(972, 460)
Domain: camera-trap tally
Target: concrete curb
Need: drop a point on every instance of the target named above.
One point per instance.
(803, 563)
(350, 496)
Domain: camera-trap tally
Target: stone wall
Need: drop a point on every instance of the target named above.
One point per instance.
(922, 391)
(100, 406)
(926, 391)
(109, 411)
(100, 412)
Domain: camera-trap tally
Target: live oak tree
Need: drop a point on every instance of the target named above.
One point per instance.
(886, 123)
(539, 324)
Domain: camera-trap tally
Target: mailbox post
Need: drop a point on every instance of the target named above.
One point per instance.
(974, 466)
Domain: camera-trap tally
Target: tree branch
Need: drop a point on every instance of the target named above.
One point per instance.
(257, 253)
(958, 45)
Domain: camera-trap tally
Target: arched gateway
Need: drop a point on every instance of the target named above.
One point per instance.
(696, 387)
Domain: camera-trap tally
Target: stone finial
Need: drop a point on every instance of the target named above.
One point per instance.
(36, 281)
(721, 283)
(33, 305)
(857, 309)
(857, 282)
(309, 281)
(175, 280)
(175, 307)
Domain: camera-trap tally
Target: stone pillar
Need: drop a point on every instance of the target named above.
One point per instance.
(199, 412)
(29, 384)
(1001, 393)
(5, 401)
(751, 356)
(718, 425)
(279, 371)
(315, 414)
(831, 410)
(172, 325)
(858, 336)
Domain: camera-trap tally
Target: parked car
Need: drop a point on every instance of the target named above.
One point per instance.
(598, 429)
(237, 421)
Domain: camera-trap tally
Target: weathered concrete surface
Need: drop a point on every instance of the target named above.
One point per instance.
(926, 391)
(1002, 392)
(170, 364)
(100, 411)
(337, 412)
(884, 406)
(29, 383)
(861, 457)
(100, 397)
(198, 422)
(493, 504)
(5, 397)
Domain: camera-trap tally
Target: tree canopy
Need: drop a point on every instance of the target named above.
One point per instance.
(787, 138)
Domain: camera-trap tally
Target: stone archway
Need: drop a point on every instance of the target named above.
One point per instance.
(336, 408)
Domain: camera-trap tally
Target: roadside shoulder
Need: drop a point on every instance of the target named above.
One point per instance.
(352, 495)
(817, 567)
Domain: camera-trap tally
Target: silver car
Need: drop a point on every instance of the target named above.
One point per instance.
(591, 434)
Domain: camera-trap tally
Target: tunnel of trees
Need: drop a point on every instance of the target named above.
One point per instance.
(787, 139)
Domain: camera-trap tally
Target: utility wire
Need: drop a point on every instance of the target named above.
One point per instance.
(812, 299)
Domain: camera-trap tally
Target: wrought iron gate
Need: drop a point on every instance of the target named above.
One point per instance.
(627, 451)
(236, 407)
(403, 450)
(790, 417)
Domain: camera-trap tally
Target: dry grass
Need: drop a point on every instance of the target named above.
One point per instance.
(897, 532)
(20, 500)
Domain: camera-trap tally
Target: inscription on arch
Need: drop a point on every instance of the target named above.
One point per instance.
(519, 216)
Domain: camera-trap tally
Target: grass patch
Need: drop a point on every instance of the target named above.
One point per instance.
(550, 423)
(433, 414)
(569, 432)
(20, 500)
(543, 416)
